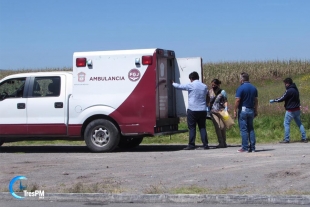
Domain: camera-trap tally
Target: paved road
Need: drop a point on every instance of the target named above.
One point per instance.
(274, 169)
(14, 203)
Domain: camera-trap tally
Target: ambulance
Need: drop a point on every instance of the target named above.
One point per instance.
(110, 99)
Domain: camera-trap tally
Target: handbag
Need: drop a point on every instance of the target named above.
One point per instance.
(226, 118)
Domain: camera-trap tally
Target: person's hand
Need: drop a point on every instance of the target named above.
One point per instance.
(226, 109)
(271, 101)
(235, 114)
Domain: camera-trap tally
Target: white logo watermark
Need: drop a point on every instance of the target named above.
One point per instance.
(21, 186)
(39, 193)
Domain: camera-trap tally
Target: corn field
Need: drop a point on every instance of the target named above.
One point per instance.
(4, 73)
(228, 72)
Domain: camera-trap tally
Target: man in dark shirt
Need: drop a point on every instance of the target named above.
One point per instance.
(246, 103)
(292, 107)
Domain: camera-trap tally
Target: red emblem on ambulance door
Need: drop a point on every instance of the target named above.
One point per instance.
(134, 75)
(81, 77)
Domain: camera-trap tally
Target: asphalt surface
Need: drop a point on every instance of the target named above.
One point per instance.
(274, 174)
(14, 203)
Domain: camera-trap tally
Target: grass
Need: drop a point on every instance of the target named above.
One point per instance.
(268, 129)
(99, 187)
(267, 76)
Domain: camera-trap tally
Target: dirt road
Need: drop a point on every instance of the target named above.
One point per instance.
(274, 169)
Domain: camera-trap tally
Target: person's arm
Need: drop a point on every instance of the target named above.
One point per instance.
(180, 86)
(237, 101)
(282, 98)
(226, 107)
(225, 99)
(208, 99)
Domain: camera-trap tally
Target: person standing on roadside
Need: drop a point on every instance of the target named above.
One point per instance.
(196, 112)
(292, 107)
(246, 103)
(217, 101)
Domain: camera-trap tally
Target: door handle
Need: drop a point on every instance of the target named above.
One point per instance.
(21, 106)
(58, 105)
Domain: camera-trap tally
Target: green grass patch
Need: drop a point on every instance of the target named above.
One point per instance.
(268, 129)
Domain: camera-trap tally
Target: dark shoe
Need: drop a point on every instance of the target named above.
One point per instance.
(189, 148)
(221, 146)
(304, 141)
(241, 150)
(251, 151)
(284, 142)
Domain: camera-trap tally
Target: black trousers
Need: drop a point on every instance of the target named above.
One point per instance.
(197, 118)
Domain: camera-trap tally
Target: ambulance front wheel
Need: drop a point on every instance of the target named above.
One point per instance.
(101, 136)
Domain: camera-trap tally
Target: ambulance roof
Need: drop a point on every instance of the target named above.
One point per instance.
(117, 52)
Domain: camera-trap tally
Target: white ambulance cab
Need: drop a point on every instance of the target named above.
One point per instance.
(110, 99)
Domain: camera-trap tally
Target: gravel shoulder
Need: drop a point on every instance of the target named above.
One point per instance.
(275, 169)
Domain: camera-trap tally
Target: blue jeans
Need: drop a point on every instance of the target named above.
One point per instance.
(197, 118)
(289, 116)
(245, 120)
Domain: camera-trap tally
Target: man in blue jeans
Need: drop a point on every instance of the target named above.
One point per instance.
(292, 107)
(246, 108)
(196, 112)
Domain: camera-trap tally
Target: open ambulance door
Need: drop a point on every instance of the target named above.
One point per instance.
(183, 67)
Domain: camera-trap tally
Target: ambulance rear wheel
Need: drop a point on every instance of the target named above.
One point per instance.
(129, 142)
(101, 136)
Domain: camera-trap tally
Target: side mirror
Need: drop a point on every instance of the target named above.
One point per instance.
(3, 95)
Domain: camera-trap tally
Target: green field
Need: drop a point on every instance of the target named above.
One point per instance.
(267, 76)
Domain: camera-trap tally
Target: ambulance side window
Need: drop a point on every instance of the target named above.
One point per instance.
(46, 87)
(12, 88)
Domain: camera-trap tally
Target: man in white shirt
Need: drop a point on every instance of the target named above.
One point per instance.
(196, 112)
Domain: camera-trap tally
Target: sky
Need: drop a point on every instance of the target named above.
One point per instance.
(44, 34)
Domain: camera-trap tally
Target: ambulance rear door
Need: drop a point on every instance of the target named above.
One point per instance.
(184, 66)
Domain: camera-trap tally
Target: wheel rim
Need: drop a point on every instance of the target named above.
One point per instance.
(100, 137)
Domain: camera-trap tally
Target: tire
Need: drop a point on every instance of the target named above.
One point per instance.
(101, 136)
(129, 142)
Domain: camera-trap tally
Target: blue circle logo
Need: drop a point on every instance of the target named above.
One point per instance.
(21, 187)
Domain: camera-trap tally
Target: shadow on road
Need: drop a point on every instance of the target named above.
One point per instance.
(44, 149)
(84, 149)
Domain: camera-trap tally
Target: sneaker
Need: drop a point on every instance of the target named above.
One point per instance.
(304, 141)
(241, 150)
(189, 148)
(284, 142)
(251, 151)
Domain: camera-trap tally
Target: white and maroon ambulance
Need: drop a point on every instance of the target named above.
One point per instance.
(112, 98)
